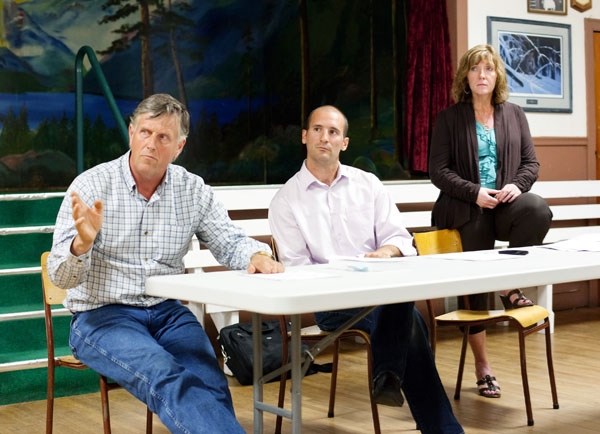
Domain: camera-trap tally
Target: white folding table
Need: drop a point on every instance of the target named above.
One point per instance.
(335, 286)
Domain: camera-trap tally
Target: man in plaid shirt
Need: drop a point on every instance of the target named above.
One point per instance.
(124, 221)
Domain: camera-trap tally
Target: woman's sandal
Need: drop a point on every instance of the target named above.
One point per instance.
(519, 301)
(488, 387)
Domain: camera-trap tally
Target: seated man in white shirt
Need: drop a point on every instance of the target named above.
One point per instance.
(329, 209)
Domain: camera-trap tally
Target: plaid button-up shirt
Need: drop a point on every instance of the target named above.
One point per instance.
(139, 237)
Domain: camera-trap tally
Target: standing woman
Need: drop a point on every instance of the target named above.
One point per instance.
(483, 161)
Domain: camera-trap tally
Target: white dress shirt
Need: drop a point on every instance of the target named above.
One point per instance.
(313, 222)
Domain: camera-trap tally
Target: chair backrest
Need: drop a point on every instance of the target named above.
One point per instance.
(52, 294)
(438, 241)
(431, 243)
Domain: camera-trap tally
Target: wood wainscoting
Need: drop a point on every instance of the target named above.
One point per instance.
(568, 158)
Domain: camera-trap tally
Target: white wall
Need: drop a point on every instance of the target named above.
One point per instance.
(543, 124)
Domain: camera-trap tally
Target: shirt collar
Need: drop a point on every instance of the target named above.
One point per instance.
(307, 179)
(126, 172)
(128, 176)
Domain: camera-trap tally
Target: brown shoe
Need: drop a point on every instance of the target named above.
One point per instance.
(488, 387)
(387, 390)
(519, 301)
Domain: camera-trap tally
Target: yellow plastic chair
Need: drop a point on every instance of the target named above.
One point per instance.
(53, 295)
(315, 334)
(527, 320)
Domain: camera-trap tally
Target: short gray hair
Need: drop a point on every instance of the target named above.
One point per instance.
(161, 103)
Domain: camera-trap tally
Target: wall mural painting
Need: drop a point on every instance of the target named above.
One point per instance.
(248, 71)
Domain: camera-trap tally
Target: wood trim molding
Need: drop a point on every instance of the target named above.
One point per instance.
(560, 141)
(458, 13)
(590, 25)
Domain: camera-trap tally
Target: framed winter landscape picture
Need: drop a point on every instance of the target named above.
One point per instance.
(537, 56)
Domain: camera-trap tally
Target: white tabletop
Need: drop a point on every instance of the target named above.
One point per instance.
(407, 279)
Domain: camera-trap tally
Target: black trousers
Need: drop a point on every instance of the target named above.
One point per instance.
(523, 222)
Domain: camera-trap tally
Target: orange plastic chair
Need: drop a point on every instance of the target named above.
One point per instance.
(527, 320)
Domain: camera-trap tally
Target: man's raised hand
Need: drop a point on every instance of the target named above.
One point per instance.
(88, 221)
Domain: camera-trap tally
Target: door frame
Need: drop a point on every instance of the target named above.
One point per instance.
(590, 26)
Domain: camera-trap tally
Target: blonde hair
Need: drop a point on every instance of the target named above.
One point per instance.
(483, 52)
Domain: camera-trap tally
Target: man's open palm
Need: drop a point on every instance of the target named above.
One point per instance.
(88, 220)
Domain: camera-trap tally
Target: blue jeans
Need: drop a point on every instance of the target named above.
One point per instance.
(400, 345)
(163, 357)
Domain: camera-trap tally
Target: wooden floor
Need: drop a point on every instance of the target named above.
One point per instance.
(576, 346)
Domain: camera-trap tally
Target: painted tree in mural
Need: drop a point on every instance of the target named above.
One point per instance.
(15, 136)
(121, 9)
(248, 62)
(172, 20)
(373, 72)
(262, 150)
(396, 68)
(304, 61)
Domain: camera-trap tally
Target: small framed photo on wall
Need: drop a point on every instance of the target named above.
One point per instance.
(556, 7)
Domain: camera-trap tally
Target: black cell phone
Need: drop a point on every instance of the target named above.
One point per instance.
(513, 252)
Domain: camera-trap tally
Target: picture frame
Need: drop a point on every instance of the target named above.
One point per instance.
(554, 7)
(537, 57)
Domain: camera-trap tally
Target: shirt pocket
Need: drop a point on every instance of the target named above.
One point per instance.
(172, 242)
(358, 224)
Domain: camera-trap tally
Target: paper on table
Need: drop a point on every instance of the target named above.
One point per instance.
(479, 255)
(363, 263)
(364, 259)
(581, 243)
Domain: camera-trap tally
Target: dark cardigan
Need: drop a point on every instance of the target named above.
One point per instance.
(453, 159)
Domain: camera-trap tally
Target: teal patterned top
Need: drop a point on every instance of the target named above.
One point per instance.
(486, 138)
